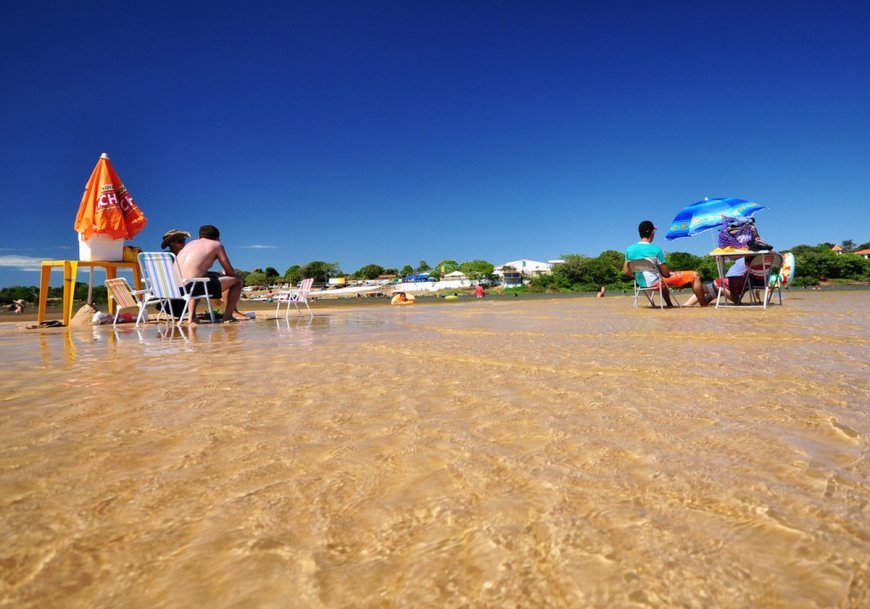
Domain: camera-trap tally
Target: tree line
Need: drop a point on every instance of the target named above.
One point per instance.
(321, 272)
(579, 273)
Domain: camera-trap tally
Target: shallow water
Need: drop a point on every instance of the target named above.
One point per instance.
(548, 453)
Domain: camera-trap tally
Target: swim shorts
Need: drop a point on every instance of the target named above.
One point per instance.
(214, 288)
(680, 278)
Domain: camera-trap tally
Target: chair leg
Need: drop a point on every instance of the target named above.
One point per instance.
(142, 309)
(183, 311)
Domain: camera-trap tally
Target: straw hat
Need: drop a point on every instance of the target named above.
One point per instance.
(172, 234)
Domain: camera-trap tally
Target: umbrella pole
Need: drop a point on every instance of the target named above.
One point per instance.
(91, 288)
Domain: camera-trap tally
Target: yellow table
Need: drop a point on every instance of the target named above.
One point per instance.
(70, 271)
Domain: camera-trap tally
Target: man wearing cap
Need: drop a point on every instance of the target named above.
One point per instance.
(676, 279)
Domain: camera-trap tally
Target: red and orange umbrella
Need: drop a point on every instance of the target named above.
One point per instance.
(107, 208)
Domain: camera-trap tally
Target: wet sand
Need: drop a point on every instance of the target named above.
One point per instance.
(530, 453)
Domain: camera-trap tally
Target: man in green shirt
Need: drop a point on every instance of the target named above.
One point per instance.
(676, 279)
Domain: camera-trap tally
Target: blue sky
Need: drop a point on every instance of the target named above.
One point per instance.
(394, 132)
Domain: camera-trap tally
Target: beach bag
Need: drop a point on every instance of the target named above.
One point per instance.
(737, 234)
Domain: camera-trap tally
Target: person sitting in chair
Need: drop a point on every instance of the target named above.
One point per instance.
(675, 279)
(175, 240)
(196, 258)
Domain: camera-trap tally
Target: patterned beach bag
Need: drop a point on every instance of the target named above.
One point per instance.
(736, 233)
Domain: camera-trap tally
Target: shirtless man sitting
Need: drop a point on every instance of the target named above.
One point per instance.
(175, 240)
(197, 257)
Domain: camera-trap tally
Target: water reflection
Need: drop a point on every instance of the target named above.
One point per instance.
(570, 452)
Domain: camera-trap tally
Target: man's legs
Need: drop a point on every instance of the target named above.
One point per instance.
(232, 291)
(666, 294)
(678, 279)
(698, 290)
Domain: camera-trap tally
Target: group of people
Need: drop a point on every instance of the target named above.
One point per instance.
(701, 294)
(196, 257)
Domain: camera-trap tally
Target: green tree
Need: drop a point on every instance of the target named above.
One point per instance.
(320, 271)
(848, 245)
(614, 258)
(683, 261)
(406, 270)
(477, 269)
(423, 267)
(99, 294)
(850, 266)
(447, 266)
(271, 272)
(293, 274)
(256, 278)
(369, 271)
(581, 273)
(19, 292)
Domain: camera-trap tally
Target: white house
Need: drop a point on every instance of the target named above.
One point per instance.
(526, 267)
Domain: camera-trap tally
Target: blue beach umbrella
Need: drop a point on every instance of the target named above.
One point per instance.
(707, 214)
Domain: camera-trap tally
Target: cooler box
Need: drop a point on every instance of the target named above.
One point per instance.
(100, 247)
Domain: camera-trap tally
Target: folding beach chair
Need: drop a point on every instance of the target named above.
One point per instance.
(296, 297)
(123, 296)
(656, 286)
(164, 282)
(760, 269)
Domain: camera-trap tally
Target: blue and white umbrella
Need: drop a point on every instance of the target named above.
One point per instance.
(707, 214)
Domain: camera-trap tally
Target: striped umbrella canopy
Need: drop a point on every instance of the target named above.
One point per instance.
(707, 214)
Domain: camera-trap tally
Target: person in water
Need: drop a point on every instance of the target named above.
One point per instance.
(402, 298)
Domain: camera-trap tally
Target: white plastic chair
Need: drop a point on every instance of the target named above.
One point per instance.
(123, 296)
(296, 297)
(657, 286)
(164, 282)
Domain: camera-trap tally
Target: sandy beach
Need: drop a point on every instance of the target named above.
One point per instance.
(542, 452)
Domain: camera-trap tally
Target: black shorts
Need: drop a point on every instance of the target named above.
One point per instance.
(214, 288)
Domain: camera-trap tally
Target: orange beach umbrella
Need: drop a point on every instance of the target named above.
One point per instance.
(107, 208)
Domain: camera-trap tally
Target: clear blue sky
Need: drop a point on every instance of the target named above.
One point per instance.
(394, 132)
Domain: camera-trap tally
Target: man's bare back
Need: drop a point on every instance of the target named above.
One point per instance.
(199, 255)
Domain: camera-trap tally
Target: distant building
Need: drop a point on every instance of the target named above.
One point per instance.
(837, 249)
(526, 267)
(863, 253)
